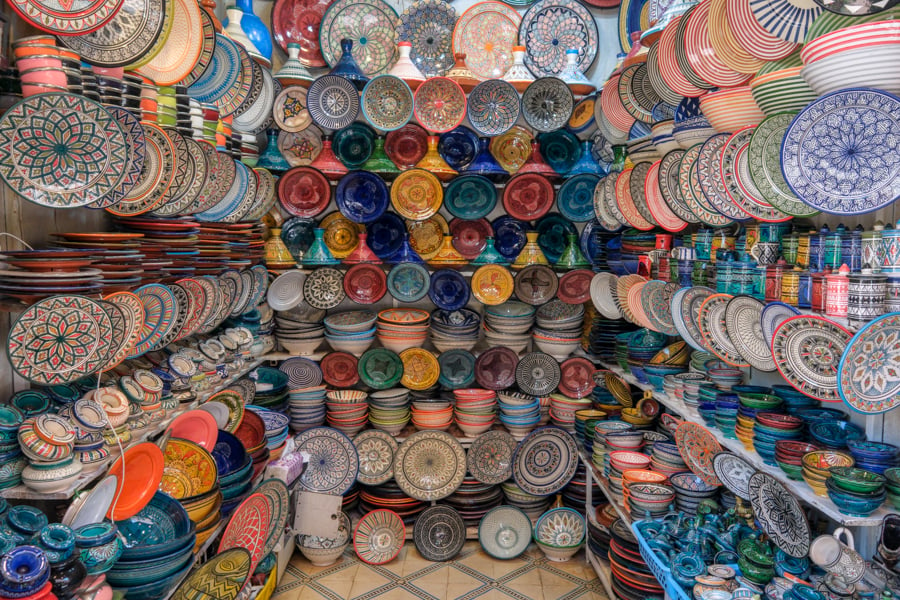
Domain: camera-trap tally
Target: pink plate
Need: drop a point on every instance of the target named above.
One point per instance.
(612, 105)
(197, 426)
(656, 204)
(701, 55)
(439, 104)
(626, 203)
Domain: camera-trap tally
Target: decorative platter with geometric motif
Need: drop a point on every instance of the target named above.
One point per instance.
(711, 322)
(486, 33)
(428, 26)
(779, 514)
(490, 457)
(545, 461)
(698, 447)
(221, 577)
(734, 472)
(132, 42)
(376, 451)
(807, 351)
(550, 28)
(430, 465)
(440, 533)
(67, 18)
(333, 461)
(159, 315)
(869, 374)
(370, 24)
(685, 309)
(249, 528)
(742, 320)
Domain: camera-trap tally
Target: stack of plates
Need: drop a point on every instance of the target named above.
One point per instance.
(276, 429)
(31, 275)
(509, 324)
(574, 495)
(585, 420)
(602, 338)
(533, 506)
(519, 413)
(558, 328)
(600, 448)
(389, 409)
(300, 330)
(390, 496)
(348, 411)
(307, 408)
(631, 577)
(238, 244)
(666, 459)
(473, 499)
(474, 410)
(690, 490)
(455, 330)
(563, 409)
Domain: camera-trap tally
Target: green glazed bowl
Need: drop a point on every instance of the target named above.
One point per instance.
(854, 479)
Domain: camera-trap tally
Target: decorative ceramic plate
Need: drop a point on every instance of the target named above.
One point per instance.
(822, 144)
(428, 26)
(711, 321)
(773, 315)
(492, 284)
(495, 368)
(408, 282)
(670, 188)
(420, 369)
(448, 290)
(290, 109)
(379, 537)
(138, 473)
(536, 285)
(545, 461)
(439, 104)
(709, 174)
(528, 196)
(691, 192)
(504, 532)
(575, 198)
(512, 148)
(324, 288)
(407, 145)
(868, 379)
(657, 205)
(365, 283)
(297, 22)
(605, 203)
(387, 103)
(136, 142)
(60, 339)
(551, 27)
(379, 368)
(333, 460)
(430, 465)
(249, 528)
(490, 457)
(537, 374)
(179, 55)
(493, 107)
(376, 451)
(222, 577)
(742, 320)
(656, 301)
(547, 104)
(807, 351)
(637, 190)
(698, 447)
(416, 194)
(457, 369)
(304, 192)
(333, 102)
(139, 25)
(228, 79)
(301, 372)
(370, 24)
(471, 197)
(361, 196)
(627, 204)
(785, 19)
(300, 149)
(62, 150)
(439, 533)
(67, 19)
(160, 308)
(734, 168)
(208, 47)
(486, 33)
(764, 164)
(734, 472)
(780, 515)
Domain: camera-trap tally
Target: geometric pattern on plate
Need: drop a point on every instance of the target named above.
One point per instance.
(869, 372)
(807, 351)
(780, 515)
(430, 465)
(333, 461)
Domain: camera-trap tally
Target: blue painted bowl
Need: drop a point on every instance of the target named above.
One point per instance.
(229, 453)
(156, 589)
(836, 434)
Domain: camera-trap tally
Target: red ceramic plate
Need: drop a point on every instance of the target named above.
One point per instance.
(470, 237)
(528, 196)
(575, 286)
(297, 21)
(249, 528)
(495, 369)
(576, 377)
(656, 204)
(138, 473)
(406, 146)
(197, 426)
(626, 203)
(365, 283)
(251, 432)
(339, 369)
(304, 192)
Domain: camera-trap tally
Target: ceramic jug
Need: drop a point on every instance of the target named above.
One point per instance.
(838, 557)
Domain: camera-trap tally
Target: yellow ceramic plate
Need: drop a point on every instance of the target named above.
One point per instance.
(420, 369)
(179, 55)
(512, 148)
(417, 194)
(492, 284)
(235, 405)
(341, 234)
(426, 236)
(190, 470)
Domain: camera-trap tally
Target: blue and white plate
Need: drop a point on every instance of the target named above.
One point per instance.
(333, 102)
(493, 107)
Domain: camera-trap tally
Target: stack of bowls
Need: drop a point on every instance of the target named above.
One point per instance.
(324, 551)
(585, 421)
(892, 486)
(473, 499)
(455, 330)
(731, 109)
(40, 66)
(12, 461)
(563, 409)
(276, 429)
(688, 389)
(474, 410)
(620, 351)
(159, 542)
(726, 416)
(690, 490)
(862, 55)
(691, 125)
(531, 505)
(626, 440)
(771, 428)
(643, 345)
(351, 331)
(874, 456)
(432, 415)
(666, 459)
(779, 86)
(400, 330)
(235, 473)
(855, 491)
(560, 533)
(519, 413)
(835, 434)
(648, 500)
(601, 448)
(252, 434)
(759, 402)
(270, 390)
(389, 409)
(623, 460)
(299, 334)
(348, 411)
(725, 377)
(509, 324)
(789, 457)
(817, 468)
(794, 401)
(191, 477)
(307, 407)
(558, 328)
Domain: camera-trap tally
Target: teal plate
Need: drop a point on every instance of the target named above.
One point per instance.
(380, 368)
(560, 150)
(408, 282)
(457, 369)
(353, 144)
(552, 230)
(470, 197)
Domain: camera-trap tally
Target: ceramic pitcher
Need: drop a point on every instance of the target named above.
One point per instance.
(838, 557)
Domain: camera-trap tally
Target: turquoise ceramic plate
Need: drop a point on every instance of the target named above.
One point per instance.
(408, 282)
(470, 197)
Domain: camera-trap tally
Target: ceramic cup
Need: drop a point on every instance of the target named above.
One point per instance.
(766, 253)
(838, 557)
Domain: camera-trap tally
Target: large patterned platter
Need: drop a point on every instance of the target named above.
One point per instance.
(333, 460)
(711, 321)
(134, 41)
(249, 528)
(698, 448)
(486, 33)
(430, 465)
(376, 451)
(545, 461)
(686, 305)
(67, 18)
(428, 26)
(807, 351)
(490, 457)
(550, 28)
(742, 320)
(780, 515)
(370, 24)
(869, 374)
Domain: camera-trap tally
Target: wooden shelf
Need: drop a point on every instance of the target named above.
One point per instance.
(594, 474)
(799, 488)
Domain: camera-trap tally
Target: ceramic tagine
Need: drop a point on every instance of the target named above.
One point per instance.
(434, 162)
(327, 162)
(405, 69)
(531, 253)
(586, 164)
(574, 78)
(292, 72)
(271, 157)
(405, 253)
(537, 164)
(572, 257)
(378, 161)
(461, 74)
(347, 68)
(276, 253)
(448, 255)
(318, 254)
(485, 164)
(490, 255)
(362, 253)
(518, 74)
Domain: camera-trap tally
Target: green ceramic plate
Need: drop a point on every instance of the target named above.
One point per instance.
(380, 368)
(457, 369)
(470, 197)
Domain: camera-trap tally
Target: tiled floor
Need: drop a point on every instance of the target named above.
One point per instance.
(473, 574)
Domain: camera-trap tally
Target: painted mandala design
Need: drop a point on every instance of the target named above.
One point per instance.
(333, 461)
(735, 473)
(869, 376)
(547, 104)
(560, 527)
(387, 103)
(60, 339)
(333, 102)
(430, 465)
(490, 457)
(439, 533)
(67, 17)
(780, 515)
(249, 527)
(698, 447)
(841, 154)
(138, 25)
(710, 175)
(545, 461)
(764, 163)
(376, 451)
(493, 107)
(324, 288)
(486, 33)
(370, 24)
(379, 536)
(670, 188)
(742, 321)
(807, 351)
(428, 26)
(440, 104)
(62, 150)
(551, 27)
(715, 332)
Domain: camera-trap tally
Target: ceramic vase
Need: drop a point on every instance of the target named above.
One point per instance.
(347, 68)
(276, 253)
(518, 74)
(379, 162)
(362, 253)
(461, 74)
(292, 72)
(574, 78)
(485, 164)
(233, 16)
(66, 576)
(405, 253)
(404, 67)
(490, 256)
(448, 256)
(572, 257)
(531, 253)
(328, 163)
(434, 162)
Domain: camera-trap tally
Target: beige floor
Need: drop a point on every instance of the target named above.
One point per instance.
(473, 574)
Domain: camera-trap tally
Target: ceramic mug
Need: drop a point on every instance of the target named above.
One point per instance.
(766, 253)
(837, 557)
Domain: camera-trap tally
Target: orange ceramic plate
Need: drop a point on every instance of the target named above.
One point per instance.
(181, 51)
(138, 473)
(417, 194)
(197, 426)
